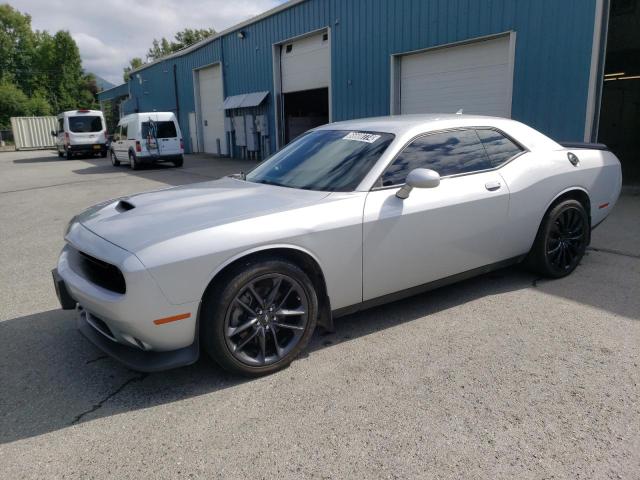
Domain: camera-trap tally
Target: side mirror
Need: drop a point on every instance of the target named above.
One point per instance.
(419, 178)
(54, 133)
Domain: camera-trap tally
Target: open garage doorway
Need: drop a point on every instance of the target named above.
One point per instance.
(303, 83)
(619, 125)
(304, 110)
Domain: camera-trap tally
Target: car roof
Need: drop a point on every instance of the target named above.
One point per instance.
(80, 112)
(409, 125)
(146, 115)
(402, 123)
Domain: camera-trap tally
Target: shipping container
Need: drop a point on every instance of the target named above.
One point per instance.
(34, 133)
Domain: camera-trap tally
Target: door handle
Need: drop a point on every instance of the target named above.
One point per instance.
(491, 186)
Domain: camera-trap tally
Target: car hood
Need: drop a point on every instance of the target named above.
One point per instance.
(136, 222)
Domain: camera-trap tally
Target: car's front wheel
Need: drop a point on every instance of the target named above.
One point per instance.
(561, 241)
(258, 318)
(114, 160)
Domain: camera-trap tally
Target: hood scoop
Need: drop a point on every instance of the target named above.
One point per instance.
(124, 206)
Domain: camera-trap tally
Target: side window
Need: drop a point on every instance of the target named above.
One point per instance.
(499, 148)
(448, 153)
(124, 129)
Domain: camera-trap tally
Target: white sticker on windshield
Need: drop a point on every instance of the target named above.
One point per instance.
(362, 137)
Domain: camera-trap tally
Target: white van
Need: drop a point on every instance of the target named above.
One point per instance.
(81, 132)
(146, 138)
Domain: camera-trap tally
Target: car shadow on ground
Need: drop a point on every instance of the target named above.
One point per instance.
(53, 378)
(51, 157)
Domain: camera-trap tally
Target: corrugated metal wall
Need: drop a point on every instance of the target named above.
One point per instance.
(31, 133)
(553, 55)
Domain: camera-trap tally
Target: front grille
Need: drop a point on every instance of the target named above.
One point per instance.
(101, 273)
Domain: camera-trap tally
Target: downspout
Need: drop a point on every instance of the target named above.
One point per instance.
(175, 90)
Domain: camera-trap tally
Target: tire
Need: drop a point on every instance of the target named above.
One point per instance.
(242, 338)
(133, 161)
(103, 153)
(114, 160)
(561, 241)
(60, 154)
(179, 162)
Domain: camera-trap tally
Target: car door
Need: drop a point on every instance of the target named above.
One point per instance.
(116, 143)
(123, 150)
(168, 137)
(60, 135)
(438, 232)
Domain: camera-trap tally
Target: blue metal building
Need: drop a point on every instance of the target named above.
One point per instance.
(539, 61)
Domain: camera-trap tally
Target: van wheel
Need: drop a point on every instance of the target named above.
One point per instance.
(60, 154)
(179, 162)
(133, 161)
(114, 161)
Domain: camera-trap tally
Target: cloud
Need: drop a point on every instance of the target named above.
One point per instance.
(110, 32)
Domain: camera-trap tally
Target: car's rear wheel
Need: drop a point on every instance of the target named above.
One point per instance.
(561, 241)
(179, 162)
(114, 160)
(258, 318)
(133, 161)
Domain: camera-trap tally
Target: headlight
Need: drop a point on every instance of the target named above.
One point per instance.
(68, 227)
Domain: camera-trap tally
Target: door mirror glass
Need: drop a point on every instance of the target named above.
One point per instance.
(54, 133)
(419, 178)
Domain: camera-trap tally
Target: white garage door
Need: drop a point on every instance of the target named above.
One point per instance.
(476, 77)
(211, 112)
(305, 64)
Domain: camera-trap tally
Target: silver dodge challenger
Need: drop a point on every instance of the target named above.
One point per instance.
(348, 216)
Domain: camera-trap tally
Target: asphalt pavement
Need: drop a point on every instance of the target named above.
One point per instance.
(503, 376)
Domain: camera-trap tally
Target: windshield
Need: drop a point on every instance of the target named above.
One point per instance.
(85, 124)
(326, 160)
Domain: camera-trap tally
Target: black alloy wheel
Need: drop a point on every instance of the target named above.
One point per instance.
(266, 319)
(561, 240)
(261, 319)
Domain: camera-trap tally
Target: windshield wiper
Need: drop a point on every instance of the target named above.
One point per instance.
(270, 182)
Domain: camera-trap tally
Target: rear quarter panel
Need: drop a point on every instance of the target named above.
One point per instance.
(536, 179)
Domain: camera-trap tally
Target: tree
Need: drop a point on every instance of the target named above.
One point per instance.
(14, 103)
(16, 46)
(163, 47)
(134, 64)
(182, 39)
(40, 70)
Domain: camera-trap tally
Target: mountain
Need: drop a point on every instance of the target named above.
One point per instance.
(102, 83)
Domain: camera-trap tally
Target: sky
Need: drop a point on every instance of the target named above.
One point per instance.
(110, 32)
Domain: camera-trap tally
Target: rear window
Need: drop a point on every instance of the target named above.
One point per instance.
(498, 147)
(85, 124)
(165, 129)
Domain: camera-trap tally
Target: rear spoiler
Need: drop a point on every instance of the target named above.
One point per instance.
(584, 145)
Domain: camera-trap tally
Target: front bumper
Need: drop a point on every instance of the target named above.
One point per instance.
(139, 360)
(126, 326)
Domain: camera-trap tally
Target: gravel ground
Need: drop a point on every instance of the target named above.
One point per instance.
(502, 376)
